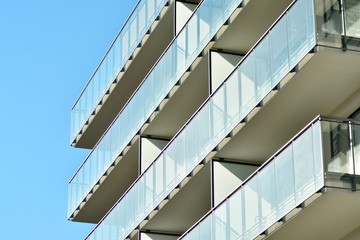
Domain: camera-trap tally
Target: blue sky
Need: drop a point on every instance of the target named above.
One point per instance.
(48, 51)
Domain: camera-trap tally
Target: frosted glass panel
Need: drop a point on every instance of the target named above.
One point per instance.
(220, 223)
(285, 184)
(205, 228)
(317, 154)
(279, 51)
(251, 206)
(297, 33)
(236, 215)
(267, 194)
(232, 88)
(303, 166)
(262, 68)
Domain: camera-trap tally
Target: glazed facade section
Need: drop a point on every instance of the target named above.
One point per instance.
(289, 41)
(282, 48)
(305, 165)
(137, 182)
(189, 43)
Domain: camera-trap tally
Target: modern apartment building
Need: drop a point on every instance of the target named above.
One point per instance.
(223, 119)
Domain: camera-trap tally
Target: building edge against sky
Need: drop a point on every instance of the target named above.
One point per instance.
(207, 124)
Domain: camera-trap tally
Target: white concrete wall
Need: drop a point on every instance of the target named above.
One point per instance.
(153, 236)
(149, 149)
(221, 65)
(227, 177)
(182, 14)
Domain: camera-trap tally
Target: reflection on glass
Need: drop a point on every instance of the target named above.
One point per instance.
(219, 223)
(338, 28)
(267, 191)
(236, 224)
(338, 154)
(251, 207)
(352, 18)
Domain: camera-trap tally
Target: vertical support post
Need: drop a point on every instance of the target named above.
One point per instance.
(343, 27)
(352, 156)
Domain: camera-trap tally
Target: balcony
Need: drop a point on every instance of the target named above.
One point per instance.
(293, 194)
(145, 35)
(130, 120)
(230, 113)
(204, 132)
(166, 106)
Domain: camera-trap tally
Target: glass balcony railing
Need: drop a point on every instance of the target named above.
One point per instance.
(338, 23)
(196, 34)
(119, 52)
(325, 153)
(284, 45)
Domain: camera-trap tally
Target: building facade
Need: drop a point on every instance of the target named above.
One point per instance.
(231, 119)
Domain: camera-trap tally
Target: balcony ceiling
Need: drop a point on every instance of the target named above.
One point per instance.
(325, 82)
(242, 34)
